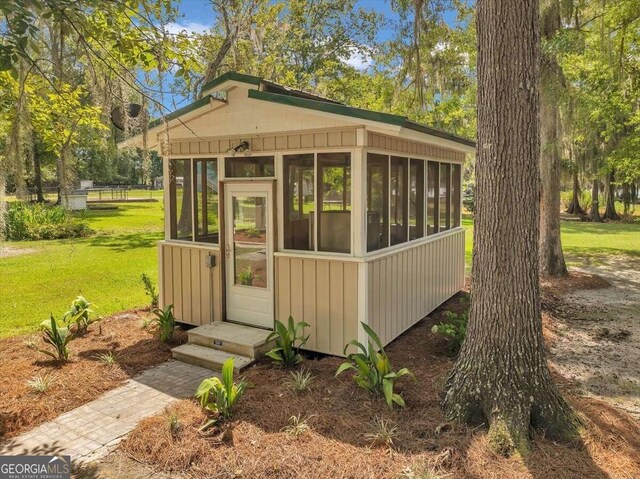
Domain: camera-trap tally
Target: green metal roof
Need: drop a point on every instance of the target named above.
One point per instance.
(182, 111)
(279, 94)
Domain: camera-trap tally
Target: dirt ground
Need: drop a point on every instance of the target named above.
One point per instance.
(597, 335)
(79, 380)
(9, 251)
(340, 417)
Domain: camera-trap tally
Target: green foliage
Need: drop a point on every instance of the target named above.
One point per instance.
(289, 340)
(252, 232)
(220, 396)
(373, 370)
(42, 383)
(382, 432)
(40, 222)
(297, 426)
(108, 359)
(150, 290)
(299, 381)
(58, 337)
(164, 323)
(79, 315)
(246, 276)
(455, 329)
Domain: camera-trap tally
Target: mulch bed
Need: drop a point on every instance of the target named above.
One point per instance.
(78, 381)
(255, 445)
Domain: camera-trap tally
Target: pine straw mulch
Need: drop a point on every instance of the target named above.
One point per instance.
(340, 415)
(82, 378)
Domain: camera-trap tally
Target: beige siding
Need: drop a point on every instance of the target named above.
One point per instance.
(408, 147)
(406, 285)
(323, 293)
(271, 142)
(188, 284)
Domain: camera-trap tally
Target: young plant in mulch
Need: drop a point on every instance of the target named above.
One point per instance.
(289, 339)
(151, 291)
(454, 329)
(220, 396)
(79, 316)
(373, 370)
(164, 323)
(299, 381)
(58, 337)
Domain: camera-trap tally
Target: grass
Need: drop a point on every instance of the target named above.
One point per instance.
(105, 268)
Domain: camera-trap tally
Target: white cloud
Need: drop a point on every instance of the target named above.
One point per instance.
(358, 60)
(189, 27)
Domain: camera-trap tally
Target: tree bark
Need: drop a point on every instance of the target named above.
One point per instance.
(575, 208)
(551, 258)
(595, 206)
(610, 198)
(501, 375)
(37, 177)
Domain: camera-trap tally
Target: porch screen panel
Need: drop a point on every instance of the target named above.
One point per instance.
(445, 196)
(334, 202)
(398, 199)
(455, 195)
(206, 211)
(377, 201)
(416, 199)
(249, 167)
(299, 202)
(433, 180)
(181, 199)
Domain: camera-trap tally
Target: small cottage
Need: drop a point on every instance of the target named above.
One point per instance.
(279, 202)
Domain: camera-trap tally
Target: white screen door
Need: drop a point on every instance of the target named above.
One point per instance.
(249, 253)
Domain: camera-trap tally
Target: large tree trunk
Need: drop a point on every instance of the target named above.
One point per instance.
(501, 375)
(551, 257)
(595, 205)
(610, 198)
(37, 176)
(575, 208)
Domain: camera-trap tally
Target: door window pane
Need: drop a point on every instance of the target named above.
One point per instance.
(250, 241)
(334, 202)
(398, 199)
(248, 167)
(455, 195)
(432, 198)
(206, 187)
(416, 199)
(445, 196)
(377, 201)
(298, 199)
(181, 200)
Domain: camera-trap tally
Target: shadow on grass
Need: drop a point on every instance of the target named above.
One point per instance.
(123, 242)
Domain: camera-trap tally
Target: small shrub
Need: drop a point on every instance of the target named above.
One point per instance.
(455, 329)
(40, 222)
(57, 337)
(151, 291)
(299, 381)
(246, 276)
(173, 421)
(42, 383)
(220, 396)
(164, 323)
(382, 432)
(289, 340)
(108, 359)
(298, 425)
(252, 232)
(373, 370)
(79, 315)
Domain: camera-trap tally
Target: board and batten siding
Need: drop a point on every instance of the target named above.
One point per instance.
(406, 285)
(186, 282)
(323, 293)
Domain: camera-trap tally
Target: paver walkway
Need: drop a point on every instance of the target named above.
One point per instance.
(91, 431)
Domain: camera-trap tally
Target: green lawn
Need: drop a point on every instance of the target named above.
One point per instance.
(105, 268)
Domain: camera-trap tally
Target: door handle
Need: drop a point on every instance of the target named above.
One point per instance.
(228, 251)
